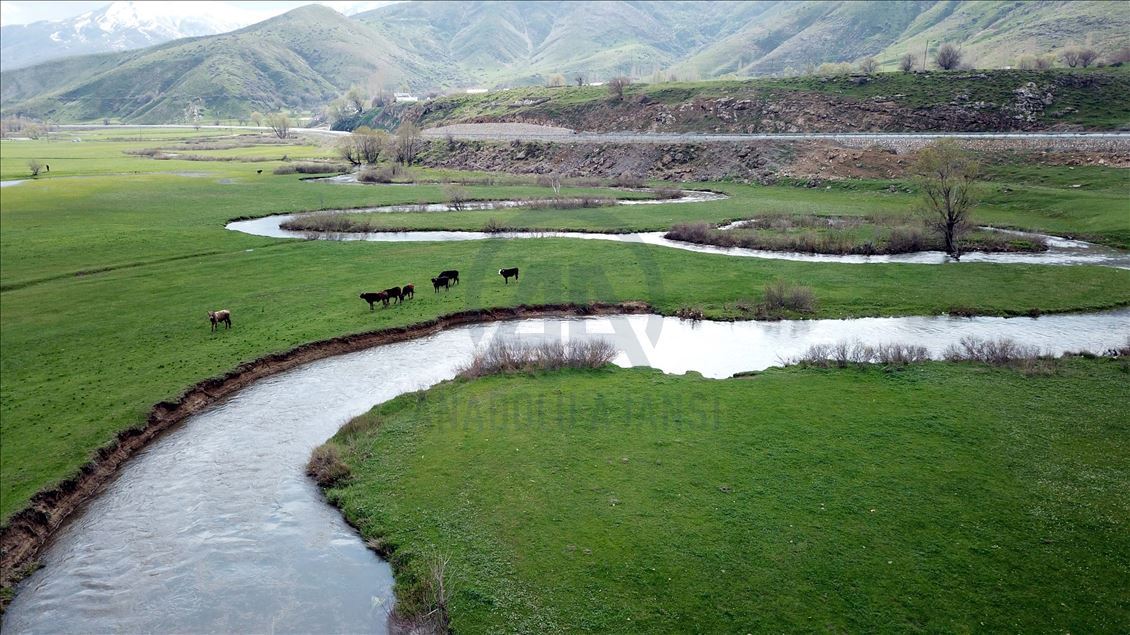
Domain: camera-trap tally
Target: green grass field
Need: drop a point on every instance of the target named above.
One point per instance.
(1041, 199)
(931, 498)
(108, 265)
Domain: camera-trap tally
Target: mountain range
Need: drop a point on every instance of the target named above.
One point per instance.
(304, 58)
(118, 26)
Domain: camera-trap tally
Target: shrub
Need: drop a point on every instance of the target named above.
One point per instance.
(494, 226)
(948, 57)
(320, 168)
(668, 193)
(456, 196)
(374, 175)
(843, 354)
(34, 167)
(782, 296)
(516, 357)
(325, 465)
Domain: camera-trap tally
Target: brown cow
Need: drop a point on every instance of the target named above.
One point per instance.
(216, 317)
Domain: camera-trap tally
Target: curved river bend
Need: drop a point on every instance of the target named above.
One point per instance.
(1061, 251)
(215, 528)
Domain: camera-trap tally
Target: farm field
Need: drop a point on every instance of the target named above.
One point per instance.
(933, 497)
(109, 262)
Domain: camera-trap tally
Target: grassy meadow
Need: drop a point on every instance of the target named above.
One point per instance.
(108, 264)
(938, 497)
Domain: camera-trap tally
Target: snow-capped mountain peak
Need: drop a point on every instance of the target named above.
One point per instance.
(118, 26)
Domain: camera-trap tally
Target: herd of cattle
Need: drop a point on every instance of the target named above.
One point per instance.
(444, 280)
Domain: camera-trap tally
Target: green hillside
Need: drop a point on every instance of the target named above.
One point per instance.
(309, 56)
(1093, 99)
(301, 59)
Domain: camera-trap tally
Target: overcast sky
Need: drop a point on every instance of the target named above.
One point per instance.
(24, 12)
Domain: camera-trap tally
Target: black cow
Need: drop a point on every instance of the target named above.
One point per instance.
(408, 291)
(440, 282)
(374, 297)
(451, 275)
(507, 274)
(394, 292)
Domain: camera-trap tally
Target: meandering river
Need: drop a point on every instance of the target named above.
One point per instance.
(215, 528)
(1061, 251)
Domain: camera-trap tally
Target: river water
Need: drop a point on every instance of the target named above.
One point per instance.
(215, 528)
(1061, 251)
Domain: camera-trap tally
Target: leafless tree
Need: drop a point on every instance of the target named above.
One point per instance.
(1087, 57)
(616, 86)
(257, 118)
(361, 146)
(551, 180)
(868, 66)
(279, 123)
(34, 167)
(556, 81)
(579, 79)
(906, 63)
(1070, 57)
(407, 143)
(355, 99)
(948, 57)
(946, 175)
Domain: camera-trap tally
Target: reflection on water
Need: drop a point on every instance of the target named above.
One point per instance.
(214, 528)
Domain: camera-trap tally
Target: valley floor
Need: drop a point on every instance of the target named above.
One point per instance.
(935, 497)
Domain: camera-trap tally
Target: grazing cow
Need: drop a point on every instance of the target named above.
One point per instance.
(372, 298)
(216, 317)
(394, 292)
(451, 275)
(440, 282)
(507, 274)
(258, 171)
(408, 291)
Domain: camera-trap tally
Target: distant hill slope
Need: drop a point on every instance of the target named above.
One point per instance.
(118, 26)
(300, 59)
(526, 42)
(790, 36)
(307, 57)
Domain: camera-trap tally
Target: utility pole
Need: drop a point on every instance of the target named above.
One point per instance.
(925, 52)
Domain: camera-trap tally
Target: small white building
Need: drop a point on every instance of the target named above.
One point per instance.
(476, 91)
(405, 97)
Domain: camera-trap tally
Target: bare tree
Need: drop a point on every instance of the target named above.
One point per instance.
(407, 142)
(1070, 57)
(257, 118)
(947, 174)
(363, 145)
(34, 167)
(551, 180)
(616, 86)
(1087, 57)
(906, 63)
(279, 123)
(948, 57)
(456, 196)
(579, 79)
(355, 99)
(556, 81)
(868, 66)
